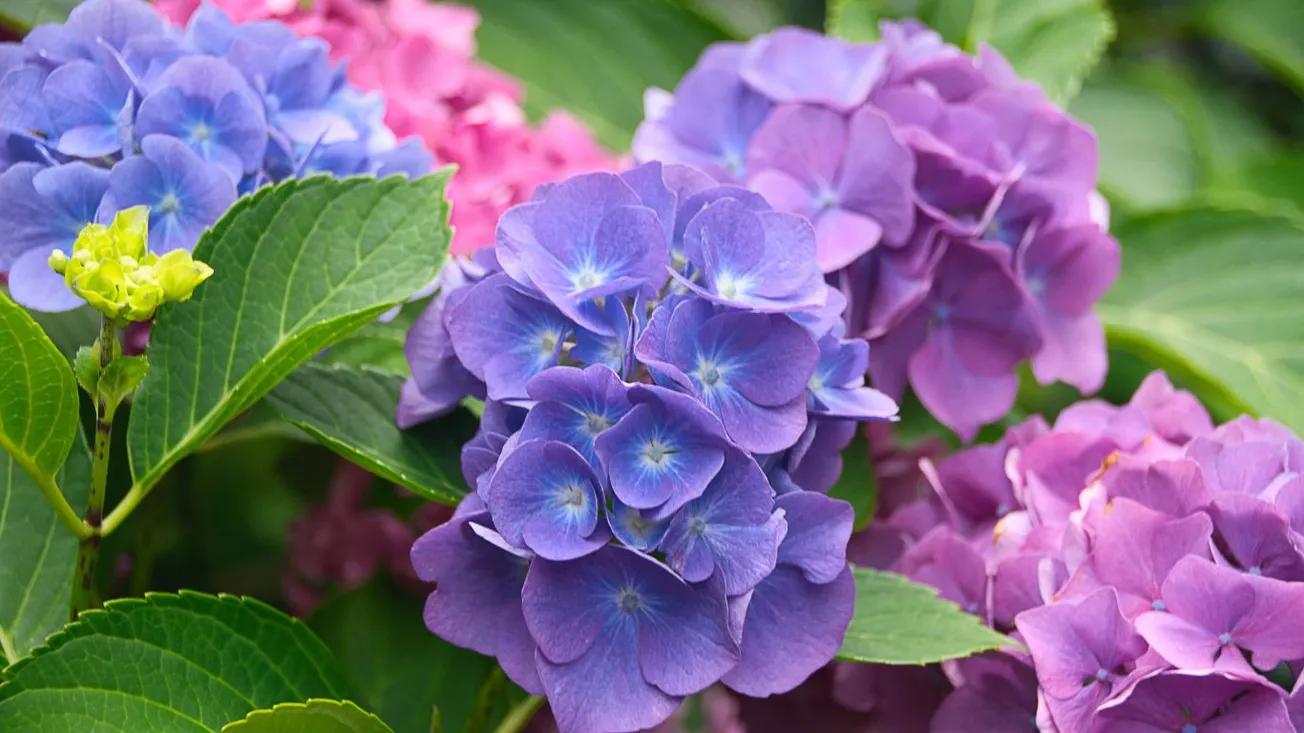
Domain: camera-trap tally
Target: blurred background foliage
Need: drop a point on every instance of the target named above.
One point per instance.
(1200, 118)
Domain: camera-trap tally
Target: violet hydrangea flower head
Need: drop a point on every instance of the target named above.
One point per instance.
(119, 108)
(1147, 560)
(907, 154)
(659, 364)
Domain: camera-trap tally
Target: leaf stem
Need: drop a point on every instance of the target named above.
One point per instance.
(88, 550)
(483, 709)
(520, 715)
(50, 490)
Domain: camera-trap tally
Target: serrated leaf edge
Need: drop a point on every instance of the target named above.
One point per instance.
(237, 725)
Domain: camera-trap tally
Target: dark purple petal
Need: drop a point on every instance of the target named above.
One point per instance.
(818, 530)
(1080, 645)
(546, 497)
(1255, 536)
(1177, 702)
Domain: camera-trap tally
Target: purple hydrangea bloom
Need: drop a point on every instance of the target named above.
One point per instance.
(899, 152)
(1147, 561)
(666, 377)
(159, 113)
(615, 634)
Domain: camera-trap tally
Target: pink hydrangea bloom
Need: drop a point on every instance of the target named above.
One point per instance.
(420, 56)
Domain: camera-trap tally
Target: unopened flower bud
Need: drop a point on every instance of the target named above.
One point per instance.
(59, 261)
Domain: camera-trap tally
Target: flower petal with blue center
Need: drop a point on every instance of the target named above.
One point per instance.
(588, 240)
(206, 103)
(664, 452)
(41, 210)
(837, 388)
(504, 336)
(185, 194)
(636, 528)
(622, 639)
(575, 406)
(731, 530)
(85, 101)
(545, 497)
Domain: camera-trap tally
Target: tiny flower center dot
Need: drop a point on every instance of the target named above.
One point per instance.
(548, 343)
(826, 199)
(655, 452)
(709, 374)
(573, 496)
(201, 133)
(170, 204)
(1225, 638)
(1256, 570)
(595, 423)
(1102, 675)
(1159, 606)
(630, 601)
(697, 526)
(1189, 728)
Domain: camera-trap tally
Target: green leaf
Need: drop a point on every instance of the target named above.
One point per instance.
(1055, 43)
(1147, 157)
(899, 622)
(351, 411)
(553, 48)
(400, 669)
(853, 20)
(121, 377)
(86, 368)
(1275, 179)
(39, 553)
(314, 716)
(23, 15)
(297, 268)
(70, 330)
(1270, 30)
(38, 396)
(377, 346)
(857, 484)
(187, 662)
(1218, 295)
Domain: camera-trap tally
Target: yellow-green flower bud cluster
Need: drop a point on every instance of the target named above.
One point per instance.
(113, 270)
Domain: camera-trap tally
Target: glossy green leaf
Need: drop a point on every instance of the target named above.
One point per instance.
(1218, 295)
(854, 20)
(23, 15)
(1270, 30)
(297, 268)
(400, 670)
(377, 346)
(900, 622)
(593, 59)
(1055, 43)
(351, 411)
(187, 662)
(314, 716)
(38, 396)
(38, 553)
(70, 330)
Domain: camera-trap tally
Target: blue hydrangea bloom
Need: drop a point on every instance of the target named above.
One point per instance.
(180, 120)
(665, 381)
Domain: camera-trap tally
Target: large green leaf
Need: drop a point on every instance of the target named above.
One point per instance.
(1219, 296)
(1147, 157)
(594, 59)
(351, 411)
(38, 554)
(188, 662)
(314, 716)
(297, 267)
(899, 622)
(1271, 30)
(23, 15)
(1055, 43)
(38, 396)
(399, 669)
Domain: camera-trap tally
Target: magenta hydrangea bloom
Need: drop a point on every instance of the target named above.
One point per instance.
(665, 372)
(914, 161)
(1146, 559)
(119, 108)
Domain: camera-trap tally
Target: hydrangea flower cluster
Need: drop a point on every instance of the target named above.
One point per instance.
(420, 56)
(117, 108)
(953, 204)
(1151, 563)
(667, 390)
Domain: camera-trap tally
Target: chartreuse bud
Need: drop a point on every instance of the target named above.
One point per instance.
(112, 268)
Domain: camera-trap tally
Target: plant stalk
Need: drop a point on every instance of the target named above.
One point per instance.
(520, 715)
(88, 550)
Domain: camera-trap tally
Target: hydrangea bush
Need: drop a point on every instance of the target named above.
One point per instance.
(954, 205)
(640, 420)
